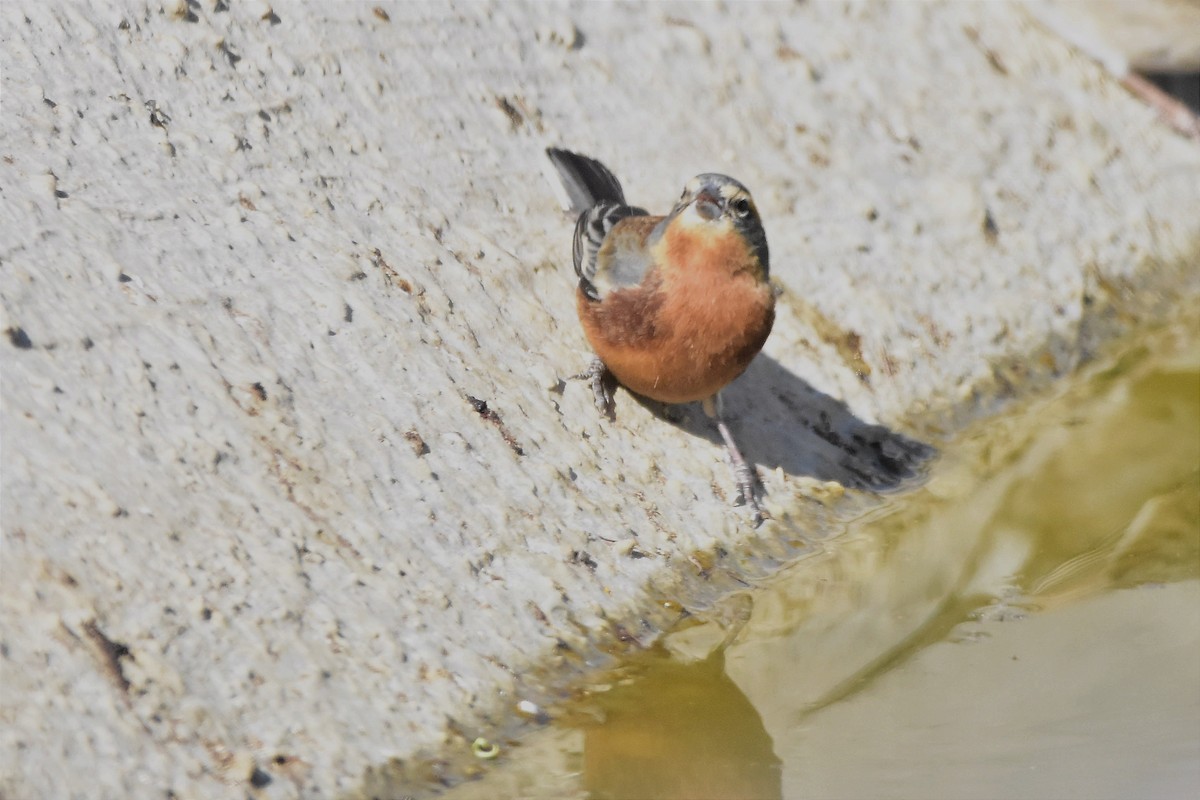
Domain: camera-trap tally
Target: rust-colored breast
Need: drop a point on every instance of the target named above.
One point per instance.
(702, 313)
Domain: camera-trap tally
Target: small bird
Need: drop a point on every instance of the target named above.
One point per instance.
(676, 306)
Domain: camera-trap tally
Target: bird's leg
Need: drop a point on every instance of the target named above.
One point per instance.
(603, 386)
(745, 475)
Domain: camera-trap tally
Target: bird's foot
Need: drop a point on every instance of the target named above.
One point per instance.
(744, 473)
(604, 387)
(748, 492)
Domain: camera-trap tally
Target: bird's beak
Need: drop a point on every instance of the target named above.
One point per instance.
(707, 206)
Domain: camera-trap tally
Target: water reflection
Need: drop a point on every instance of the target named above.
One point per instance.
(692, 717)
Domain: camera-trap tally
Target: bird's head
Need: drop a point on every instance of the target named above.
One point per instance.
(718, 203)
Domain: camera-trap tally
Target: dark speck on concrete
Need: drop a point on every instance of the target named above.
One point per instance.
(19, 338)
(259, 779)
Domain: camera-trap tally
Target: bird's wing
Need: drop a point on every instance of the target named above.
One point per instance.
(592, 188)
(624, 260)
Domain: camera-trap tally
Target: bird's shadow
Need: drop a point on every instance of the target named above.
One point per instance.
(780, 421)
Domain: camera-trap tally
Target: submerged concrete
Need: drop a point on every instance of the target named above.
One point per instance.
(293, 489)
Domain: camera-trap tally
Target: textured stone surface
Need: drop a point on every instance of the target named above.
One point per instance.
(262, 266)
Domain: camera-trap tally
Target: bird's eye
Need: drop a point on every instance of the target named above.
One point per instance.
(741, 207)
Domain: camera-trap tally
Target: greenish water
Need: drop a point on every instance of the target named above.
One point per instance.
(1025, 625)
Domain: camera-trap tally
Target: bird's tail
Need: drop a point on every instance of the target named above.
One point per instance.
(587, 182)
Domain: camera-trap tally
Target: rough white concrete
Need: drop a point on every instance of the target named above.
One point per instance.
(1150, 36)
(256, 262)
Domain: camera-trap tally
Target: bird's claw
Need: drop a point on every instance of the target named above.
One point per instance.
(744, 472)
(748, 485)
(603, 387)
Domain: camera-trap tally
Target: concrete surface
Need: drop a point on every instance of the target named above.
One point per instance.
(263, 266)
(1161, 36)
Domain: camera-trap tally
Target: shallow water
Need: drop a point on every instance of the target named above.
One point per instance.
(1025, 625)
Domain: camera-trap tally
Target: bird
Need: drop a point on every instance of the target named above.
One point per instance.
(675, 307)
